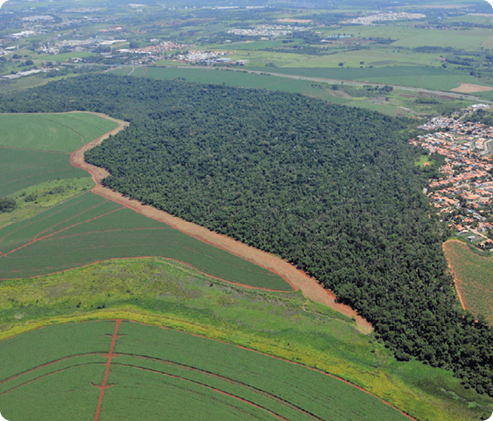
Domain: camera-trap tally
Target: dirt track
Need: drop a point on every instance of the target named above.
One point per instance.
(298, 279)
(454, 276)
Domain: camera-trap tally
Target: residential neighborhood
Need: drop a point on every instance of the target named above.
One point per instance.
(463, 194)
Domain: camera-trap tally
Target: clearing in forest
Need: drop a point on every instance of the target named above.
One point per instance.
(473, 275)
(99, 370)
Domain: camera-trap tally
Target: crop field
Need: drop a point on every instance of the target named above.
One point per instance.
(20, 169)
(416, 76)
(52, 132)
(473, 275)
(88, 228)
(233, 78)
(35, 148)
(163, 292)
(37, 198)
(407, 36)
(163, 371)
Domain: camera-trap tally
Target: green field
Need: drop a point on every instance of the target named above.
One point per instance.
(323, 91)
(166, 293)
(36, 199)
(233, 78)
(20, 169)
(473, 274)
(155, 369)
(416, 76)
(88, 228)
(35, 148)
(52, 132)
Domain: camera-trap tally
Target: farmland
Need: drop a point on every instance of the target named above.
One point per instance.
(473, 274)
(35, 148)
(387, 103)
(88, 228)
(161, 368)
(146, 358)
(163, 292)
(232, 78)
(52, 132)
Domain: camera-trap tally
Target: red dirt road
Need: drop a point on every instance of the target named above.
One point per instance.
(298, 279)
(107, 372)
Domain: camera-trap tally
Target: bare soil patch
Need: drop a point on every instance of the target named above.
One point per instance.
(466, 88)
(310, 287)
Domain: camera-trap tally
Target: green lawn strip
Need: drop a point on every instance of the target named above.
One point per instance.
(145, 395)
(423, 159)
(45, 195)
(52, 132)
(20, 169)
(64, 396)
(161, 292)
(87, 228)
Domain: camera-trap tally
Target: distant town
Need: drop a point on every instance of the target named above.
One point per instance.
(463, 195)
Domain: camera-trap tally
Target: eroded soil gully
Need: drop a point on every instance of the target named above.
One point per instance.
(298, 279)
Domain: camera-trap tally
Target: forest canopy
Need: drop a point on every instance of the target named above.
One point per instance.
(332, 189)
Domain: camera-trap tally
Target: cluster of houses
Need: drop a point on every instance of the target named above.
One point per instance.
(157, 49)
(463, 195)
(268, 30)
(204, 57)
(383, 17)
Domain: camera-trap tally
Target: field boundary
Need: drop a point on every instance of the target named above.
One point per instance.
(298, 279)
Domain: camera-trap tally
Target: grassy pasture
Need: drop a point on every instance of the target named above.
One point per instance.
(88, 228)
(246, 385)
(52, 132)
(474, 277)
(165, 293)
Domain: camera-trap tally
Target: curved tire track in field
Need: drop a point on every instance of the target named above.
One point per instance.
(296, 278)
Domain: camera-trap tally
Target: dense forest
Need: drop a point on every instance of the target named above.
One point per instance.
(331, 189)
